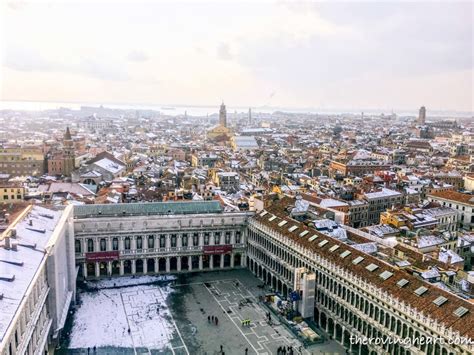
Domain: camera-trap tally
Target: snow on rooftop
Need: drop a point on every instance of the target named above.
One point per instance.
(383, 193)
(43, 223)
(426, 241)
(449, 256)
(330, 202)
(109, 165)
(368, 248)
(431, 274)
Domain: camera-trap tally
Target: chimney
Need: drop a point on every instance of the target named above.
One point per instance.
(7, 242)
(450, 258)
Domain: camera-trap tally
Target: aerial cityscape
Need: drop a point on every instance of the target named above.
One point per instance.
(238, 178)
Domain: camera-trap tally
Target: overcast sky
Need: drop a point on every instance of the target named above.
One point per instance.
(377, 55)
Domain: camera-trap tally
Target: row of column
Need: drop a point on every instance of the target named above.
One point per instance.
(156, 265)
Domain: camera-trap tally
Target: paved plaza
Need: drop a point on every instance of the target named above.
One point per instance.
(171, 317)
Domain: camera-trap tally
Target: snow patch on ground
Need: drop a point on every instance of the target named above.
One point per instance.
(104, 317)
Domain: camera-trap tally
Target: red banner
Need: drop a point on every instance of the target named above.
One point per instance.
(102, 256)
(217, 249)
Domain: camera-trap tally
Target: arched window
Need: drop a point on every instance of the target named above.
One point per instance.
(173, 240)
(103, 246)
(139, 243)
(115, 244)
(162, 241)
(184, 240)
(90, 245)
(151, 242)
(217, 238)
(127, 243)
(78, 247)
(237, 237)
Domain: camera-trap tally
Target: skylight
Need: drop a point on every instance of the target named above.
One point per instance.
(372, 267)
(303, 233)
(440, 300)
(345, 254)
(358, 260)
(313, 237)
(460, 311)
(282, 223)
(263, 213)
(323, 243)
(386, 275)
(402, 283)
(420, 290)
(334, 248)
(291, 229)
(272, 218)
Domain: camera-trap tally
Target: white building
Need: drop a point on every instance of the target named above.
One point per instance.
(37, 279)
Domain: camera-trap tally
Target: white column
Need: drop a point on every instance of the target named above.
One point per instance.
(167, 264)
(200, 262)
(145, 266)
(211, 262)
(222, 261)
(97, 270)
(121, 268)
(232, 260)
(84, 270)
(134, 270)
(156, 265)
(178, 263)
(109, 268)
(190, 263)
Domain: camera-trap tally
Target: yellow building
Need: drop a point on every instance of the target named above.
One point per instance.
(11, 193)
(22, 161)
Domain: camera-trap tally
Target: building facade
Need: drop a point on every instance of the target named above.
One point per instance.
(22, 161)
(139, 239)
(356, 294)
(37, 280)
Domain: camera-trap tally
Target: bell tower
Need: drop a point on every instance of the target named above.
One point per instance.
(68, 153)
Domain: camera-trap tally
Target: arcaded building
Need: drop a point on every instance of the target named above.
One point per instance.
(357, 294)
(146, 238)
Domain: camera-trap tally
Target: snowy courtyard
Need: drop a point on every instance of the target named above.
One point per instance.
(164, 316)
(126, 316)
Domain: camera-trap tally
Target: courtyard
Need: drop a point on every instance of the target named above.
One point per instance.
(166, 315)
